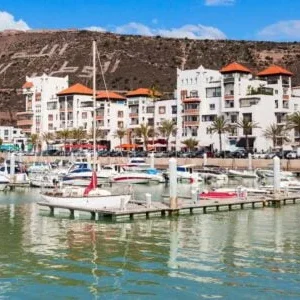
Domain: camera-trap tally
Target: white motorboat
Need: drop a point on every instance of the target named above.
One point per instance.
(89, 197)
(211, 174)
(131, 177)
(19, 176)
(46, 180)
(187, 173)
(39, 167)
(242, 174)
(265, 173)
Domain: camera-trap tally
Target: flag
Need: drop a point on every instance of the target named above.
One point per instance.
(92, 185)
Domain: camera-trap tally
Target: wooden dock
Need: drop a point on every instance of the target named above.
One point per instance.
(155, 208)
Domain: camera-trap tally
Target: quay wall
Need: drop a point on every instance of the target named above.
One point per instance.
(231, 163)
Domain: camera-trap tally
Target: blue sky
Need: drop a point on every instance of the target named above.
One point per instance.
(277, 20)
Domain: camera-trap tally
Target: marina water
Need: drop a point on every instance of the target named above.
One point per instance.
(249, 254)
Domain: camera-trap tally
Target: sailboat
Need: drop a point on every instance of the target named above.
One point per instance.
(89, 196)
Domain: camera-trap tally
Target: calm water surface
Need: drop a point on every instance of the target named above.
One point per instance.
(250, 254)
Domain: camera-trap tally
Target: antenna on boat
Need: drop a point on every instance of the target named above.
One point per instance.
(94, 102)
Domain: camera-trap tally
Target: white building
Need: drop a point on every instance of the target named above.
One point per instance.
(12, 136)
(144, 108)
(235, 93)
(41, 113)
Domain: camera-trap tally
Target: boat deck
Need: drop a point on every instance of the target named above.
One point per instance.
(155, 208)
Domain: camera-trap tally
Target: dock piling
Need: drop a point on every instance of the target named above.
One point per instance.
(173, 183)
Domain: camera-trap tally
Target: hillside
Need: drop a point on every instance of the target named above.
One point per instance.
(128, 61)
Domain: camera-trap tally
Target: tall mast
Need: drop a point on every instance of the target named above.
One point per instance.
(94, 102)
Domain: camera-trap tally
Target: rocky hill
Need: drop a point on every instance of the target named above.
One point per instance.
(128, 61)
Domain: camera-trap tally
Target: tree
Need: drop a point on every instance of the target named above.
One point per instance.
(190, 143)
(220, 126)
(293, 122)
(167, 128)
(247, 127)
(276, 133)
(78, 134)
(100, 134)
(47, 137)
(120, 133)
(34, 140)
(144, 131)
(64, 135)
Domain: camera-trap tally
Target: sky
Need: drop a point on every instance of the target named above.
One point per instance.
(274, 20)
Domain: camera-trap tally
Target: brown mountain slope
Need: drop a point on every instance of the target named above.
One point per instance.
(128, 61)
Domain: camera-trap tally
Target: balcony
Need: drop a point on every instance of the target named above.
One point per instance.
(191, 100)
(62, 109)
(26, 129)
(26, 122)
(191, 123)
(260, 91)
(99, 117)
(133, 115)
(25, 113)
(70, 108)
(286, 97)
(229, 97)
(228, 79)
(192, 112)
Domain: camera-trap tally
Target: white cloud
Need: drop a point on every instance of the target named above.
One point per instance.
(7, 21)
(96, 28)
(283, 30)
(134, 28)
(219, 2)
(193, 32)
(186, 31)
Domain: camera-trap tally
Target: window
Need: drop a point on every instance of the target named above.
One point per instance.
(37, 119)
(212, 106)
(50, 126)
(15, 132)
(174, 109)
(194, 94)
(38, 109)
(50, 118)
(213, 92)
(208, 118)
(161, 110)
(6, 132)
(84, 115)
(150, 110)
(295, 107)
(120, 124)
(276, 103)
(51, 105)
(120, 114)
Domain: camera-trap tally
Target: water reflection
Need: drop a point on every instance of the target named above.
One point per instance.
(240, 253)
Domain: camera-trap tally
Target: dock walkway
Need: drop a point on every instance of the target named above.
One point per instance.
(184, 206)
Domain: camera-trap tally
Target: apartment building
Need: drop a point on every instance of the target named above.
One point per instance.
(235, 93)
(41, 103)
(12, 136)
(143, 107)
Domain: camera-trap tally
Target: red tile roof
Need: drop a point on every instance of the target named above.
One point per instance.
(275, 70)
(76, 89)
(110, 95)
(235, 67)
(142, 92)
(27, 85)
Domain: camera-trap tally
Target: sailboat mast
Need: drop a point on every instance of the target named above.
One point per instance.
(94, 102)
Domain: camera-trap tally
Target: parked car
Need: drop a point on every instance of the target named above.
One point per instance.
(240, 154)
(224, 154)
(292, 155)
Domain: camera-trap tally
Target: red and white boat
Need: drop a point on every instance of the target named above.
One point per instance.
(217, 195)
(89, 197)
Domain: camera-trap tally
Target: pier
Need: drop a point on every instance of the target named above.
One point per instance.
(136, 209)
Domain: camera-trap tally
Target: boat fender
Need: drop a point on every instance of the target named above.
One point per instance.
(192, 180)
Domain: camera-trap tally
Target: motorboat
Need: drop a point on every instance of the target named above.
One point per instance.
(39, 167)
(89, 197)
(249, 190)
(211, 174)
(265, 173)
(142, 176)
(187, 173)
(242, 174)
(19, 175)
(46, 180)
(217, 195)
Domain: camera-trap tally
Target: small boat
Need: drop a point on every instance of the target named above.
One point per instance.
(19, 177)
(265, 173)
(46, 180)
(217, 195)
(89, 197)
(211, 174)
(186, 172)
(242, 174)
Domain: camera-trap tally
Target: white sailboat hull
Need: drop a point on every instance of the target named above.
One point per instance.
(88, 202)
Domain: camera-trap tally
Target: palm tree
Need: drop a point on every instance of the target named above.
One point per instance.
(47, 136)
(78, 134)
(167, 128)
(293, 122)
(34, 140)
(120, 133)
(100, 134)
(276, 133)
(64, 135)
(220, 125)
(190, 143)
(247, 127)
(144, 131)
(154, 94)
